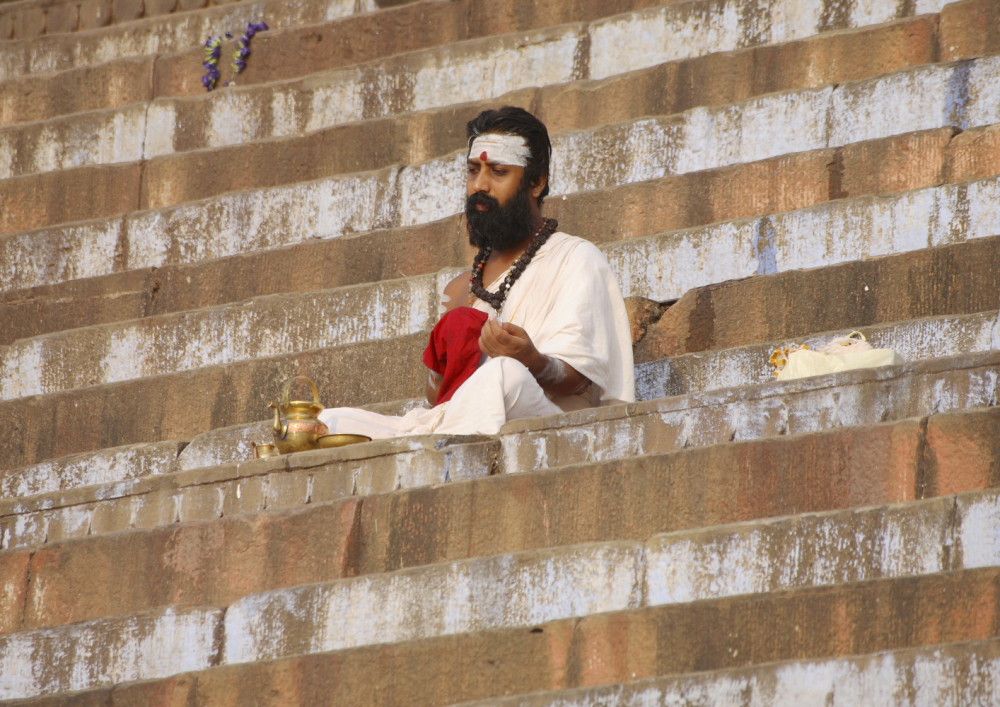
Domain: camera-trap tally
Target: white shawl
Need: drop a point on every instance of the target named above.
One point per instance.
(569, 303)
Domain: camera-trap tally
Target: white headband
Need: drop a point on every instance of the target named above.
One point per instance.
(498, 148)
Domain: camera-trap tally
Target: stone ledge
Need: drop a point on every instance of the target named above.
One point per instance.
(610, 648)
(985, 359)
(950, 674)
(851, 399)
(408, 461)
(154, 35)
(659, 267)
(817, 407)
(684, 494)
(541, 586)
(952, 279)
(922, 339)
(607, 215)
(108, 652)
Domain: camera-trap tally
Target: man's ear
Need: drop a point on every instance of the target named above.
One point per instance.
(539, 187)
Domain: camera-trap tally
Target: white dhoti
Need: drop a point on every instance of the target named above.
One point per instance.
(569, 303)
(501, 389)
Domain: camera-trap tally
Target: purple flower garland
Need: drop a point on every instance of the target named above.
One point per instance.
(243, 46)
(213, 52)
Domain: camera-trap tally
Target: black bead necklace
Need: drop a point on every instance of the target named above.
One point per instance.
(496, 299)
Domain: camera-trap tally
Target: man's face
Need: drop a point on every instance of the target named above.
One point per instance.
(498, 205)
(500, 181)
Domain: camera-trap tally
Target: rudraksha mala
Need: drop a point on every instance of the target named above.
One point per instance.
(496, 299)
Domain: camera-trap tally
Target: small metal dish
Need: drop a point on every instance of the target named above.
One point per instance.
(264, 451)
(333, 441)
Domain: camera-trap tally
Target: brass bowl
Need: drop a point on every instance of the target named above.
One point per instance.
(334, 441)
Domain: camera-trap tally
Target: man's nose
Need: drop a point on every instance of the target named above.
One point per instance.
(480, 183)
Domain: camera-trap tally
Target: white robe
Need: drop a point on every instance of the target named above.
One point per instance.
(569, 303)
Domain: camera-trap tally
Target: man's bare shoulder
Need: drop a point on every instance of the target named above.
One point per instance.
(456, 292)
(458, 284)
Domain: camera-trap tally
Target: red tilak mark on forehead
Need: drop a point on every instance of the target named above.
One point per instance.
(483, 157)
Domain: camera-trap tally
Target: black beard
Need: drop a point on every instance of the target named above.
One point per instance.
(501, 227)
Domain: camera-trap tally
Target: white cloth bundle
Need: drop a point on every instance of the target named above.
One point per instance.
(843, 353)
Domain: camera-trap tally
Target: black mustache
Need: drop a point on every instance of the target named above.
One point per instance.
(479, 198)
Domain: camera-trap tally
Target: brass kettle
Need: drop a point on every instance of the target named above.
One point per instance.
(296, 425)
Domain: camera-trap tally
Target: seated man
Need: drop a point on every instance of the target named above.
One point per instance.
(557, 335)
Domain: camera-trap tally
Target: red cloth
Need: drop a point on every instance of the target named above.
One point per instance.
(453, 350)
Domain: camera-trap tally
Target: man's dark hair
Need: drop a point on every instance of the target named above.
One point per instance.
(511, 120)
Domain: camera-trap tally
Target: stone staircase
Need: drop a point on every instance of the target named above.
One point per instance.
(758, 172)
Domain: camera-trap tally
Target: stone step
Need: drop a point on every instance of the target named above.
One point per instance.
(275, 325)
(244, 386)
(335, 535)
(974, 28)
(103, 467)
(791, 233)
(191, 402)
(659, 268)
(29, 19)
(416, 137)
(949, 675)
(165, 34)
(288, 50)
(947, 280)
(422, 80)
(850, 399)
(607, 435)
(914, 340)
(271, 218)
(196, 174)
(108, 652)
(599, 648)
(778, 184)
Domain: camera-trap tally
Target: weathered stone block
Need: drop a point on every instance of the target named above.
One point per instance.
(29, 22)
(155, 509)
(524, 589)
(196, 563)
(197, 503)
(969, 29)
(69, 523)
(125, 10)
(114, 515)
(95, 13)
(962, 453)
(103, 653)
(151, 8)
(893, 165)
(6, 24)
(287, 489)
(243, 496)
(974, 154)
(86, 193)
(62, 17)
(13, 585)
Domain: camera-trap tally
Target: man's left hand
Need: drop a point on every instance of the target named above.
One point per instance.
(505, 339)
